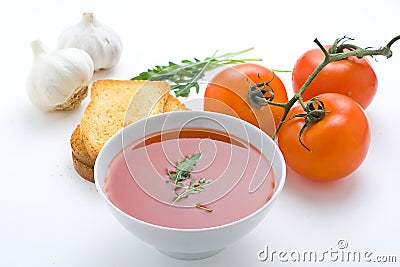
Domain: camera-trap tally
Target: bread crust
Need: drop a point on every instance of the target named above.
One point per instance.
(79, 149)
(173, 104)
(83, 170)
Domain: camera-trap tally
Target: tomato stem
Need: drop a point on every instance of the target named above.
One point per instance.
(338, 51)
(391, 42)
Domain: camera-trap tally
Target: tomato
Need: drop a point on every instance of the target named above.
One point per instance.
(352, 76)
(338, 143)
(228, 90)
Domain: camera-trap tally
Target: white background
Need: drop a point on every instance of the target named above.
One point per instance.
(52, 217)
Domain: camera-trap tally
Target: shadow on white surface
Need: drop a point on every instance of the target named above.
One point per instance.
(35, 119)
(321, 192)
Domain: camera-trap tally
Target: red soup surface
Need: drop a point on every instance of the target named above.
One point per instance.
(229, 181)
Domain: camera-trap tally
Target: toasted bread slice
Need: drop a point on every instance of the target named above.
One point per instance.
(85, 171)
(149, 99)
(173, 104)
(116, 103)
(79, 149)
(82, 161)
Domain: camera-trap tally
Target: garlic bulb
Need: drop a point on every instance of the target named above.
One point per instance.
(101, 42)
(58, 80)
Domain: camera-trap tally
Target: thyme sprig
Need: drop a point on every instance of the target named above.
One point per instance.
(186, 75)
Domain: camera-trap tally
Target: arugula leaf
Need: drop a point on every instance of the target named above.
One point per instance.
(188, 164)
(183, 169)
(192, 188)
(180, 176)
(185, 76)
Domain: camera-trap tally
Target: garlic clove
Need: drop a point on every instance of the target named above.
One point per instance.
(101, 42)
(58, 79)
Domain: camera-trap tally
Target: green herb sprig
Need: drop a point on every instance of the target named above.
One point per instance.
(192, 188)
(182, 174)
(183, 169)
(185, 76)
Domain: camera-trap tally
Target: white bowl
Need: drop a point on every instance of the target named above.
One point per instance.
(191, 244)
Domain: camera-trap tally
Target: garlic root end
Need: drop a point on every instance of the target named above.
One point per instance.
(74, 100)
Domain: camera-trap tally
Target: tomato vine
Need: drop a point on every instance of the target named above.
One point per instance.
(339, 50)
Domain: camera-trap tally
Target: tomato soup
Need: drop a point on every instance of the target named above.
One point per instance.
(228, 180)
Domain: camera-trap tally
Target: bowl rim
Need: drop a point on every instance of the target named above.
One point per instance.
(275, 194)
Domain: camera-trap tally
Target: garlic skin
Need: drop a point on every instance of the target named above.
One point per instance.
(58, 80)
(101, 42)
